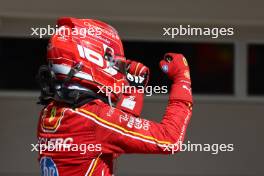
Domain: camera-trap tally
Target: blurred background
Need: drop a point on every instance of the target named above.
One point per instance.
(227, 74)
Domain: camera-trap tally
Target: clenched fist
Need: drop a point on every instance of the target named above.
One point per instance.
(176, 67)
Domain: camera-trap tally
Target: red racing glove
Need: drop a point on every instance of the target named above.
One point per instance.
(137, 73)
(176, 67)
(137, 76)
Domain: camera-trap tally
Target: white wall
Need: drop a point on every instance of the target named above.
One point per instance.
(138, 19)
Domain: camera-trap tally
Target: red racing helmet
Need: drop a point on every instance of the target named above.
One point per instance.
(87, 54)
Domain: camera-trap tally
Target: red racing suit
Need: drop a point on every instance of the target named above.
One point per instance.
(85, 141)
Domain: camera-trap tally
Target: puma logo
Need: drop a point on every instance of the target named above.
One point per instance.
(187, 88)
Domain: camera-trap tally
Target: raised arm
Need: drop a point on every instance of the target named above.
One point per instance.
(121, 132)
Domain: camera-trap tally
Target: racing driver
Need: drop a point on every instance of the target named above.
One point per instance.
(81, 110)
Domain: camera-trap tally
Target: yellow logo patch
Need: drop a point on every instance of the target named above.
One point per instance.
(185, 61)
(51, 118)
